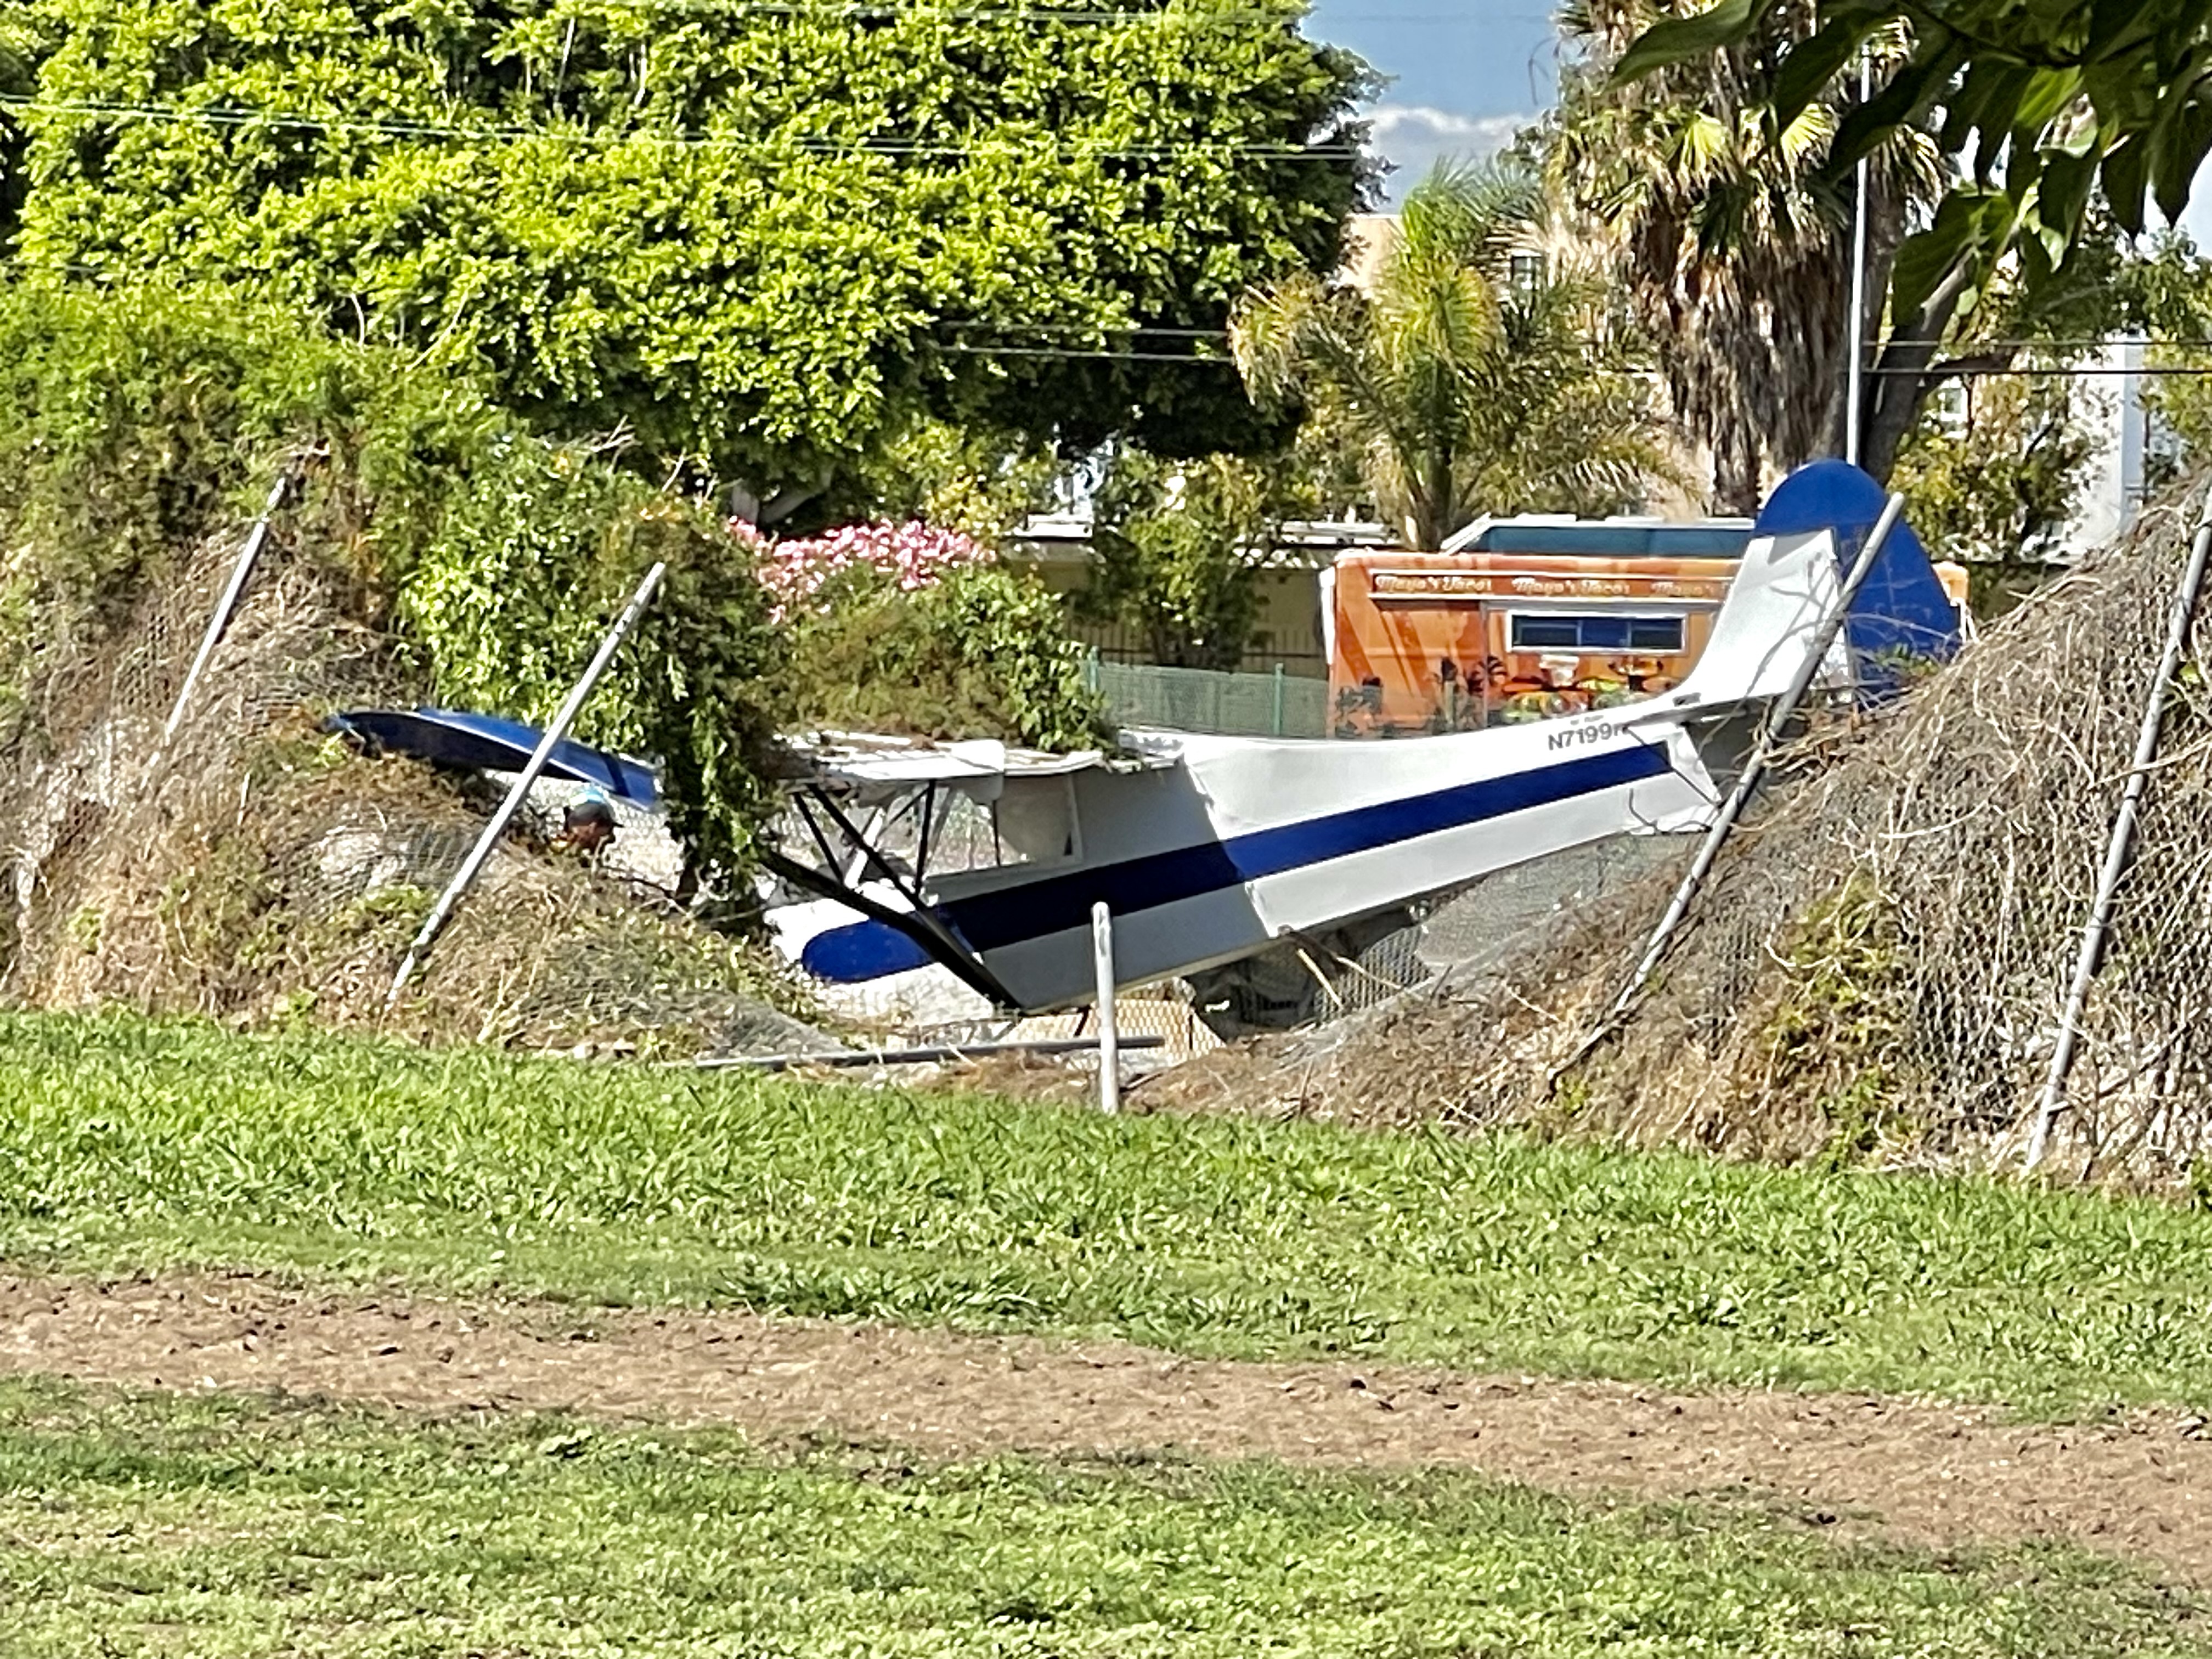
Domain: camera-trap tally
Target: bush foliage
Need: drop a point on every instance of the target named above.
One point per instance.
(131, 427)
(536, 549)
(982, 652)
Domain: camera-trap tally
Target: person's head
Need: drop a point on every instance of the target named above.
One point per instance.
(588, 824)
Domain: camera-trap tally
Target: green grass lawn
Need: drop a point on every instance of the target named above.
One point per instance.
(127, 1144)
(225, 1528)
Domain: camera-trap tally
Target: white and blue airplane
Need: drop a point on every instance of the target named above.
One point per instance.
(915, 869)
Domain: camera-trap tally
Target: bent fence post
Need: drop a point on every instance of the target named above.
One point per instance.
(1754, 770)
(227, 605)
(465, 876)
(2119, 844)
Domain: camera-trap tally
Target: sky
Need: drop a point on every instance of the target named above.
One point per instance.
(1463, 77)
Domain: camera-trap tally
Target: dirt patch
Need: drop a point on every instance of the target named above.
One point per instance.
(1927, 1471)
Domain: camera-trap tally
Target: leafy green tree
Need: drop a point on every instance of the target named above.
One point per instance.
(1464, 388)
(980, 480)
(1178, 548)
(2037, 112)
(2169, 298)
(1994, 482)
(766, 237)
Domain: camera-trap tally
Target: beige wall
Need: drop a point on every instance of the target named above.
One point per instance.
(1287, 629)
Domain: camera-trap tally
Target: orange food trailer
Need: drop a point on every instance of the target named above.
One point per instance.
(1528, 619)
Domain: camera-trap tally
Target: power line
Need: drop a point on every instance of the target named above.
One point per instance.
(1210, 16)
(1073, 354)
(1020, 327)
(230, 118)
(1973, 372)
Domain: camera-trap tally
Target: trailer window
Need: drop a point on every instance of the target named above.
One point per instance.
(1555, 631)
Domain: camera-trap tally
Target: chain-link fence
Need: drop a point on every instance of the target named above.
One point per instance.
(1276, 705)
(1877, 966)
(257, 868)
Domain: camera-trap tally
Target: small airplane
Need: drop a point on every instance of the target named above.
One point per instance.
(938, 882)
(916, 870)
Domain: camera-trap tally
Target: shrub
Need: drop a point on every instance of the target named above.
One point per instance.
(532, 558)
(806, 574)
(982, 652)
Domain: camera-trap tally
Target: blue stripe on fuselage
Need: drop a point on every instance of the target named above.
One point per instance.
(1053, 904)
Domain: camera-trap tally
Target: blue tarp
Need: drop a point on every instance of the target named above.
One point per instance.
(485, 743)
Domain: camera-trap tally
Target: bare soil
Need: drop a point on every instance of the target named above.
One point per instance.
(1924, 1471)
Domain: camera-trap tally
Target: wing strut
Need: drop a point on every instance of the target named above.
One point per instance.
(921, 923)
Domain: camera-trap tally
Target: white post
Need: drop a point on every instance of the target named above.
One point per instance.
(1109, 1048)
(1852, 396)
(233, 591)
(442, 911)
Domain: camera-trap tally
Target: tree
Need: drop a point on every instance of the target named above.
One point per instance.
(761, 237)
(1734, 242)
(1464, 388)
(1178, 549)
(2037, 112)
(1995, 483)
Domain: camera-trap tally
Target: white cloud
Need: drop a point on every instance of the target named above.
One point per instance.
(1413, 137)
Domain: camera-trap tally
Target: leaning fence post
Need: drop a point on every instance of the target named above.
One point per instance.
(225, 606)
(465, 876)
(2119, 844)
(1754, 770)
(1109, 1047)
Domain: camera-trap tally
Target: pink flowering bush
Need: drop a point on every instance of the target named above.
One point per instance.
(914, 630)
(807, 576)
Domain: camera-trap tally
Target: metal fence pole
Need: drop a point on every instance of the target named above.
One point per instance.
(1754, 771)
(2119, 845)
(465, 876)
(1109, 1047)
(1278, 700)
(227, 605)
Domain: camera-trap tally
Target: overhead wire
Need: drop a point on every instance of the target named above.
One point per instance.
(1078, 16)
(219, 116)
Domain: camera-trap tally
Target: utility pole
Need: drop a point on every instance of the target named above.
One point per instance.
(1853, 385)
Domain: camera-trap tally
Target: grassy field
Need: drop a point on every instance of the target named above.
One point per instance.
(227, 1528)
(125, 1144)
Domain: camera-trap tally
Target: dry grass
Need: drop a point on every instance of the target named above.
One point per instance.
(260, 871)
(1876, 971)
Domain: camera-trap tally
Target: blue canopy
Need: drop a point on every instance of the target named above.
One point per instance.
(485, 743)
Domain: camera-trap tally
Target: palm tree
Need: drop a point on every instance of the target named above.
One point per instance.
(1463, 387)
(1735, 245)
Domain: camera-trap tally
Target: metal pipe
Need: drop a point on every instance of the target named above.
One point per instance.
(1748, 782)
(1853, 397)
(1110, 1053)
(465, 876)
(935, 1053)
(227, 605)
(2119, 845)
